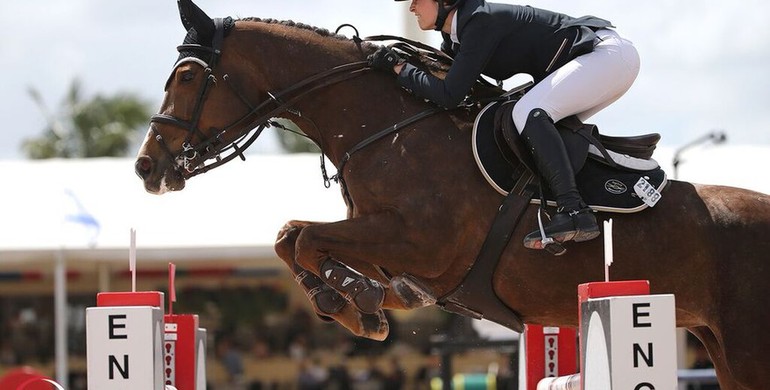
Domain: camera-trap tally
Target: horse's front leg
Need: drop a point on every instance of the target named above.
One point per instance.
(327, 303)
(363, 242)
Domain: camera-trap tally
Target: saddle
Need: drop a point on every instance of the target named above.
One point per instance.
(610, 171)
(606, 170)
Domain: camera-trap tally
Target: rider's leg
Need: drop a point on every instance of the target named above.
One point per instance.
(584, 85)
(581, 87)
(573, 219)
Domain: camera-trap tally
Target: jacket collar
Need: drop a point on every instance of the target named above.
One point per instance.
(464, 13)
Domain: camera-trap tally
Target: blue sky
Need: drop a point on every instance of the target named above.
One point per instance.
(703, 67)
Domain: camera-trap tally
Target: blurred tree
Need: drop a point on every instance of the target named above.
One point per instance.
(97, 127)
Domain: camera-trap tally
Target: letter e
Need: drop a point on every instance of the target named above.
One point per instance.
(113, 325)
(637, 314)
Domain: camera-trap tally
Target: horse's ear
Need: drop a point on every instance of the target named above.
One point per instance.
(194, 17)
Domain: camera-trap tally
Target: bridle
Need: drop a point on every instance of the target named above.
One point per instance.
(194, 159)
(212, 151)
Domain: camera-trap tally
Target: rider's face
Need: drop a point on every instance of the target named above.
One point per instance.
(426, 12)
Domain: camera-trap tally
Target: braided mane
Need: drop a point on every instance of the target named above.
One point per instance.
(302, 26)
(419, 58)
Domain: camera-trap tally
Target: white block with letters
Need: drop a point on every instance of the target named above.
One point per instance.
(124, 348)
(629, 342)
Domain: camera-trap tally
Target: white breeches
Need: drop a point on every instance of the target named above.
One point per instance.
(585, 85)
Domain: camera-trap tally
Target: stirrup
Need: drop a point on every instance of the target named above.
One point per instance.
(549, 244)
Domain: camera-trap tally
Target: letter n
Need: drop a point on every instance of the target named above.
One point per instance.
(638, 352)
(114, 364)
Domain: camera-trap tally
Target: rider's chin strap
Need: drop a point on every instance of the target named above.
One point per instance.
(443, 13)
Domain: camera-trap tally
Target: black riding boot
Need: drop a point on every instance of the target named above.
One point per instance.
(573, 220)
(366, 295)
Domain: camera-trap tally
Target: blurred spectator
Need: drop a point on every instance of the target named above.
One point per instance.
(8, 355)
(395, 378)
(431, 369)
(261, 348)
(299, 347)
(339, 378)
(312, 376)
(372, 378)
(702, 360)
(231, 360)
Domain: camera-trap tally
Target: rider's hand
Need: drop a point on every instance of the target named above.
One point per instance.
(384, 59)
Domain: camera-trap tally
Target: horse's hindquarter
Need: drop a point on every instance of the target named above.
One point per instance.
(742, 254)
(739, 312)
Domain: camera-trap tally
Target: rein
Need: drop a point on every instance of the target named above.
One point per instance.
(193, 160)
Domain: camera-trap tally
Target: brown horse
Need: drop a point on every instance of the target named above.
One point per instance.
(418, 208)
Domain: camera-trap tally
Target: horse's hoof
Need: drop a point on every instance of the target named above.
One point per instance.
(411, 292)
(375, 326)
(324, 318)
(372, 326)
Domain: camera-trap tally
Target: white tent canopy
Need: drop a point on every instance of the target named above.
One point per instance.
(240, 207)
(53, 204)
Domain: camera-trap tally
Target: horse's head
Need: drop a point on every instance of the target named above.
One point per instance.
(231, 80)
(203, 116)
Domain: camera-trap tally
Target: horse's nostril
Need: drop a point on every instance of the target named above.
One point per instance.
(143, 166)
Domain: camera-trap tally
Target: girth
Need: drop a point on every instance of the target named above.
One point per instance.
(475, 296)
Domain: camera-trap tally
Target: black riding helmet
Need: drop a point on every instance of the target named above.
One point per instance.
(444, 7)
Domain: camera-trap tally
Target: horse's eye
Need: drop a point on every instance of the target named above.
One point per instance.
(187, 75)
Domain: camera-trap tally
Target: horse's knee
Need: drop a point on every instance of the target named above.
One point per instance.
(306, 252)
(286, 240)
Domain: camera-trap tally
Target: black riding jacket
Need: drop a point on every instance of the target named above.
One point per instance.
(499, 41)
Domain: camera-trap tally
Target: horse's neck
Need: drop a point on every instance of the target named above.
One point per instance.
(338, 116)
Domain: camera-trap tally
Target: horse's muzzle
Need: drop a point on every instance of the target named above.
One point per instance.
(157, 179)
(143, 167)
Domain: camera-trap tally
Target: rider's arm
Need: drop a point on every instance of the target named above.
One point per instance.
(475, 50)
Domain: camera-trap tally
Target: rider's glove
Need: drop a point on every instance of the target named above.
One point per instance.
(384, 59)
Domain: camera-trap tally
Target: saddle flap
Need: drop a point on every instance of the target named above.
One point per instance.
(605, 187)
(507, 137)
(569, 130)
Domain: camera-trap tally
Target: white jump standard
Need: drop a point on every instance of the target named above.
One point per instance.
(627, 340)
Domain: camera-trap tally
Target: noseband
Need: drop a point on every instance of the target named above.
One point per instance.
(194, 159)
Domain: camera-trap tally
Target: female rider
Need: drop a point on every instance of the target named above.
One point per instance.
(579, 66)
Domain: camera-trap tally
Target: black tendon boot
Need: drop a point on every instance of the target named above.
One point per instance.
(325, 300)
(573, 220)
(366, 295)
